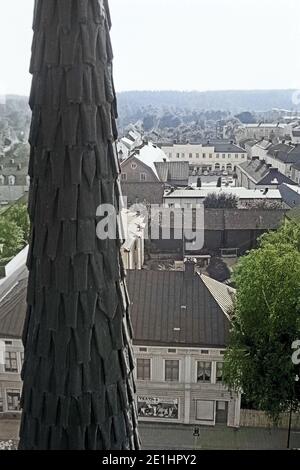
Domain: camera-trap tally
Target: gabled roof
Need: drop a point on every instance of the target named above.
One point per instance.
(172, 171)
(286, 153)
(171, 308)
(13, 306)
(161, 301)
(222, 293)
(228, 148)
(261, 173)
(149, 154)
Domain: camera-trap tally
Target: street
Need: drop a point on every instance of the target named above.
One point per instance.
(179, 437)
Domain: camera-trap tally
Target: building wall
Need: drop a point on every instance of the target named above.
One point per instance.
(132, 171)
(290, 197)
(259, 132)
(146, 192)
(12, 193)
(285, 168)
(296, 175)
(10, 381)
(187, 391)
(134, 259)
(198, 155)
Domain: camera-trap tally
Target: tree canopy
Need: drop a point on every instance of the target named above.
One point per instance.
(18, 214)
(265, 323)
(221, 201)
(11, 238)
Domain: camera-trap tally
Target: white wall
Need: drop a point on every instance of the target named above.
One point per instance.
(187, 390)
(203, 155)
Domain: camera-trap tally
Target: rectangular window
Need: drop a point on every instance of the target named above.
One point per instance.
(243, 155)
(22, 358)
(143, 369)
(143, 176)
(210, 155)
(219, 372)
(177, 155)
(205, 410)
(236, 155)
(191, 155)
(172, 371)
(183, 155)
(203, 371)
(223, 155)
(217, 155)
(229, 155)
(197, 155)
(124, 176)
(170, 155)
(204, 155)
(13, 400)
(204, 351)
(11, 364)
(1, 403)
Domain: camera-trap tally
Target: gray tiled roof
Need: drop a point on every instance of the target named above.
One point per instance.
(172, 171)
(13, 308)
(261, 173)
(156, 301)
(164, 300)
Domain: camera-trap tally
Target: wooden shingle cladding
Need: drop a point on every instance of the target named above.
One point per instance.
(78, 381)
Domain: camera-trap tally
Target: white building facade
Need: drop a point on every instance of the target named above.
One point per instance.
(11, 361)
(214, 156)
(184, 385)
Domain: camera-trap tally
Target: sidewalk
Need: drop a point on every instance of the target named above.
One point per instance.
(162, 436)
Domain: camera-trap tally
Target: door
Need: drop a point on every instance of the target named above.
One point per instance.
(222, 412)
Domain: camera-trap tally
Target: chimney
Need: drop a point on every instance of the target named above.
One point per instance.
(189, 268)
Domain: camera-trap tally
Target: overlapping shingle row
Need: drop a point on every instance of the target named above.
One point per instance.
(78, 383)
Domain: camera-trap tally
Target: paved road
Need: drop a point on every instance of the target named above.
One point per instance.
(162, 436)
(179, 437)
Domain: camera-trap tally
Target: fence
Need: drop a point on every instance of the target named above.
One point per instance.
(259, 419)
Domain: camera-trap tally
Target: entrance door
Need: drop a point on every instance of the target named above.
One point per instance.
(222, 412)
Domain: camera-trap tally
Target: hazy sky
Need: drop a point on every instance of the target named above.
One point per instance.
(176, 44)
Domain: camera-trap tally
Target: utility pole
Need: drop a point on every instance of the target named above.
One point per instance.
(79, 392)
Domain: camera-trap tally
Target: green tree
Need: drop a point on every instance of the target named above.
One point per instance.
(265, 322)
(221, 201)
(19, 215)
(11, 238)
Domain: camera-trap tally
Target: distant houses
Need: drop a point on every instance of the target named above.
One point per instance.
(146, 172)
(14, 179)
(257, 174)
(283, 155)
(207, 156)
